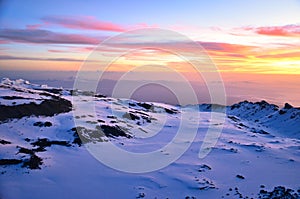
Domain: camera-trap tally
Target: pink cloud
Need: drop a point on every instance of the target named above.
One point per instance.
(83, 22)
(292, 30)
(4, 41)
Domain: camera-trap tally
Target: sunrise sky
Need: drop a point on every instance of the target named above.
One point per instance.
(240, 36)
(245, 39)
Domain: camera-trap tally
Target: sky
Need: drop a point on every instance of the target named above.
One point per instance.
(250, 37)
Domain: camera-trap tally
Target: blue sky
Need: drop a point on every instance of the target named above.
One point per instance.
(16, 13)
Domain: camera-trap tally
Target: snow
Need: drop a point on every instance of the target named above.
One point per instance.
(270, 157)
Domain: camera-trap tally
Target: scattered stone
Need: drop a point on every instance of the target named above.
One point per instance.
(4, 142)
(141, 195)
(240, 176)
(42, 124)
(278, 192)
(111, 117)
(204, 167)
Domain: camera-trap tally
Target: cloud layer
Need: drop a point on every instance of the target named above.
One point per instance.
(45, 37)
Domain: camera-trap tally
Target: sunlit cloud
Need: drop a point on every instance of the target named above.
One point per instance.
(291, 30)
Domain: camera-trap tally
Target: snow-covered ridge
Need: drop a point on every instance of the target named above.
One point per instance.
(19, 98)
(268, 117)
(256, 156)
(262, 117)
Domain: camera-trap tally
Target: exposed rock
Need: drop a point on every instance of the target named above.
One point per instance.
(145, 105)
(48, 107)
(44, 142)
(171, 111)
(278, 192)
(42, 124)
(240, 177)
(34, 162)
(287, 106)
(9, 161)
(4, 142)
(131, 116)
(113, 131)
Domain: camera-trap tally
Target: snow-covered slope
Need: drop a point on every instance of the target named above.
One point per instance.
(42, 155)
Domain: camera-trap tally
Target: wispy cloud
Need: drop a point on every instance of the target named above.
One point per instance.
(8, 57)
(82, 22)
(45, 37)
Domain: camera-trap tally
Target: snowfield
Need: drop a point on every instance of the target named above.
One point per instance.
(48, 147)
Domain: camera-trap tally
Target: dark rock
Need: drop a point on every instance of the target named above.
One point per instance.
(77, 139)
(279, 192)
(131, 116)
(100, 96)
(13, 97)
(25, 151)
(145, 105)
(44, 142)
(287, 106)
(171, 111)
(51, 90)
(47, 124)
(111, 117)
(48, 107)
(240, 176)
(42, 124)
(9, 161)
(112, 131)
(204, 167)
(83, 135)
(4, 142)
(281, 112)
(141, 195)
(34, 162)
